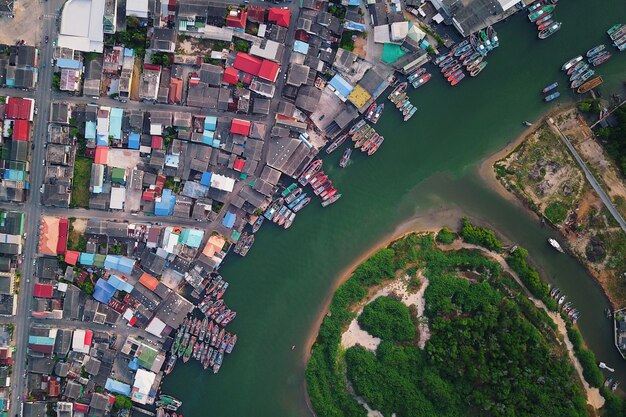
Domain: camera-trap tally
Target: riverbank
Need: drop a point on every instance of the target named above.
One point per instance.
(538, 172)
(478, 272)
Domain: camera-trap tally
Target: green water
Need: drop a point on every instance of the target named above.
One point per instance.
(426, 165)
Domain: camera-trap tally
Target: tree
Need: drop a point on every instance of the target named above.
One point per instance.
(122, 402)
(242, 46)
(160, 58)
(132, 22)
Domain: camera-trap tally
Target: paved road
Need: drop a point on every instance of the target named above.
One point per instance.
(592, 180)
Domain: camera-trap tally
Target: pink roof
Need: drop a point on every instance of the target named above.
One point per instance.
(71, 257)
(102, 155)
(88, 337)
(157, 142)
(240, 127)
(280, 16)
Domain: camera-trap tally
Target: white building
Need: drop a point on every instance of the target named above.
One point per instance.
(82, 25)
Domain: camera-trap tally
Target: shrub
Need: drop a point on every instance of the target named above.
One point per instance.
(388, 319)
(480, 236)
(446, 236)
(556, 212)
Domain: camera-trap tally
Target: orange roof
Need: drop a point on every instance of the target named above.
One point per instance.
(102, 155)
(176, 91)
(71, 257)
(215, 244)
(149, 281)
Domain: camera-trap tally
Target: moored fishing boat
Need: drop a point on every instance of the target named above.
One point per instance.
(311, 170)
(356, 127)
(376, 145)
(170, 364)
(601, 59)
(552, 96)
(440, 59)
(297, 201)
(541, 12)
(457, 79)
(396, 91)
(545, 25)
(478, 69)
(377, 113)
(189, 349)
(337, 143)
(408, 116)
(618, 33)
(595, 51)
(454, 75)
(584, 77)
(257, 224)
(571, 62)
(421, 80)
(289, 220)
(295, 194)
(576, 67)
(613, 28)
(543, 19)
(555, 245)
(168, 402)
(589, 85)
(301, 204)
(288, 190)
(271, 211)
(550, 87)
(416, 74)
(471, 58)
(578, 73)
(345, 158)
(535, 6)
(546, 33)
(331, 200)
(369, 142)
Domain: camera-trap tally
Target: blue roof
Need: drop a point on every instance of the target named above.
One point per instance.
(350, 25)
(133, 364)
(354, 2)
(68, 63)
(119, 284)
(103, 291)
(165, 207)
(341, 85)
(129, 52)
(102, 140)
(302, 47)
(115, 122)
(207, 137)
(117, 387)
(206, 178)
(87, 258)
(191, 237)
(90, 130)
(133, 141)
(210, 123)
(229, 219)
(119, 263)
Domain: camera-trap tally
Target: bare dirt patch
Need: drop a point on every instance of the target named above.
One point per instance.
(24, 25)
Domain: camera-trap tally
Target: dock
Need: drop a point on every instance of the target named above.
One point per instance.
(143, 411)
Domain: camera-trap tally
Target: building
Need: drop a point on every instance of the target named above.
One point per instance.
(137, 8)
(149, 84)
(473, 15)
(82, 27)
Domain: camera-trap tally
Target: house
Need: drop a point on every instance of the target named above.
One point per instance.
(163, 40)
(138, 8)
(236, 18)
(279, 16)
(149, 84)
(262, 68)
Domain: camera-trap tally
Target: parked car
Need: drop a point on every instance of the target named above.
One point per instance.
(47, 39)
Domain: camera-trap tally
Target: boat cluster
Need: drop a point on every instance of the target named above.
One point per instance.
(540, 13)
(167, 402)
(611, 383)
(400, 99)
(245, 242)
(468, 56)
(366, 138)
(314, 176)
(566, 308)
(551, 96)
(578, 71)
(617, 33)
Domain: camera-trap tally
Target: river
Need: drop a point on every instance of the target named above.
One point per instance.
(424, 166)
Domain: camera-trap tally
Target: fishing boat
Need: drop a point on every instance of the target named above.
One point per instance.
(561, 300)
(168, 402)
(369, 142)
(603, 365)
(416, 74)
(396, 91)
(493, 36)
(471, 58)
(170, 364)
(478, 69)
(297, 201)
(527, 123)
(535, 6)
(541, 12)
(328, 193)
(440, 59)
(356, 127)
(546, 33)
(601, 59)
(345, 158)
(311, 170)
(620, 43)
(584, 77)
(331, 200)
(555, 245)
(618, 33)
(457, 80)
(614, 386)
(552, 96)
(543, 19)
(608, 381)
(301, 204)
(378, 112)
(293, 195)
(569, 64)
(231, 344)
(550, 87)
(421, 80)
(288, 190)
(446, 61)
(452, 70)
(380, 141)
(553, 291)
(289, 220)
(257, 224)
(545, 25)
(614, 28)
(595, 51)
(575, 67)
(461, 50)
(271, 211)
(337, 143)
(589, 85)
(455, 75)
(189, 349)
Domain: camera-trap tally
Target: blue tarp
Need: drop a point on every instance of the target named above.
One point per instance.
(229, 219)
(133, 364)
(210, 123)
(350, 25)
(206, 178)
(87, 258)
(133, 141)
(115, 123)
(341, 85)
(117, 387)
(129, 52)
(103, 291)
(302, 47)
(90, 130)
(68, 63)
(119, 284)
(354, 2)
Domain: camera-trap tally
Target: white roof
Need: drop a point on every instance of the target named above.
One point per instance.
(143, 380)
(438, 18)
(416, 33)
(269, 52)
(62, 286)
(156, 129)
(118, 195)
(507, 4)
(81, 25)
(137, 8)
(78, 341)
(155, 327)
(222, 182)
(399, 30)
(128, 314)
(381, 34)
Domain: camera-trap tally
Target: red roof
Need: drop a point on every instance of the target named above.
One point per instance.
(239, 164)
(269, 70)
(88, 337)
(237, 19)
(256, 13)
(176, 91)
(247, 78)
(80, 408)
(240, 127)
(62, 242)
(21, 130)
(43, 291)
(102, 155)
(247, 63)
(152, 67)
(149, 281)
(132, 321)
(231, 76)
(46, 349)
(18, 108)
(280, 16)
(148, 195)
(54, 387)
(301, 36)
(71, 257)
(157, 142)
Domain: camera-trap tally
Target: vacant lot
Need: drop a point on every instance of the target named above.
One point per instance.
(24, 25)
(80, 186)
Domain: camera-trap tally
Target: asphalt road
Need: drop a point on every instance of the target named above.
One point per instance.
(592, 180)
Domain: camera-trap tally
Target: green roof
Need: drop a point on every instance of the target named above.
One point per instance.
(99, 260)
(391, 53)
(118, 175)
(147, 356)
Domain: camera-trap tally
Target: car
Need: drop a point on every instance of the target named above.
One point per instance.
(34, 262)
(43, 162)
(47, 39)
(54, 43)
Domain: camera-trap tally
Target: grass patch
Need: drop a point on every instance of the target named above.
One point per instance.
(80, 182)
(556, 212)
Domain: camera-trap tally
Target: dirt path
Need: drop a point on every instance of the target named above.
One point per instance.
(594, 398)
